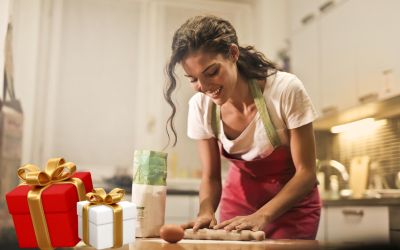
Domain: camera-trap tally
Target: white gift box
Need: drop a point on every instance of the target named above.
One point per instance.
(101, 224)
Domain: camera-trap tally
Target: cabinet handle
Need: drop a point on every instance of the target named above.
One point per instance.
(359, 212)
(371, 96)
(326, 6)
(329, 109)
(307, 18)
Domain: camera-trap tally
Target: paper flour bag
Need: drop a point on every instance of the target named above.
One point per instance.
(149, 190)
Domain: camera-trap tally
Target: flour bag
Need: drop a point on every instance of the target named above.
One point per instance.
(149, 190)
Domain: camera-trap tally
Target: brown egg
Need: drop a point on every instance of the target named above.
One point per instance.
(171, 233)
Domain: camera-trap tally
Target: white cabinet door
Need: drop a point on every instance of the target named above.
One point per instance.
(358, 224)
(305, 61)
(180, 209)
(338, 58)
(299, 10)
(177, 209)
(194, 207)
(378, 49)
(322, 225)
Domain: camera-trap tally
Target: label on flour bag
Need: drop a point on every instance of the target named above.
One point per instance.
(140, 221)
(140, 214)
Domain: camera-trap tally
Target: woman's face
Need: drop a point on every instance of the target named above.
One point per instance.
(213, 75)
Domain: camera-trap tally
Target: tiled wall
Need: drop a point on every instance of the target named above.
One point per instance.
(381, 145)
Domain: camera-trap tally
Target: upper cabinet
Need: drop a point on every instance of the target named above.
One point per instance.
(338, 71)
(305, 61)
(377, 51)
(301, 12)
(348, 53)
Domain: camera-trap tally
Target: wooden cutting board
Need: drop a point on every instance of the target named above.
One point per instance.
(358, 175)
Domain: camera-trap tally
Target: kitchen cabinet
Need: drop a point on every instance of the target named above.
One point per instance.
(361, 220)
(300, 12)
(344, 58)
(322, 225)
(338, 69)
(378, 49)
(358, 224)
(179, 209)
(306, 63)
(182, 208)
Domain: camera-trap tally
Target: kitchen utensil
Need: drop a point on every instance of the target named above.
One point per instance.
(382, 193)
(211, 234)
(346, 193)
(334, 186)
(321, 186)
(398, 180)
(359, 175)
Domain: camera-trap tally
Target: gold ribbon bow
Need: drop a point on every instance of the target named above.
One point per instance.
(99, 197)
(40, 181)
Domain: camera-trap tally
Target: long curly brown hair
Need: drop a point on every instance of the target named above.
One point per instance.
(210, 34)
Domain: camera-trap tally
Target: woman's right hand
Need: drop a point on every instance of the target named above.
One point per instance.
(202, 221)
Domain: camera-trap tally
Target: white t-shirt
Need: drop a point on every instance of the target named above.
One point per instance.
(288, 106)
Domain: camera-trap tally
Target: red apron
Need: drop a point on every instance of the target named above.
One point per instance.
(249, 185)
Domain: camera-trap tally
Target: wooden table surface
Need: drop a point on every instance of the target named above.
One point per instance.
(269, 244)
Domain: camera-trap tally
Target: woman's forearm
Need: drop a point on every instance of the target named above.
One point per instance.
(298, 187)
(302, 148)
(210, 187)
(210, 195)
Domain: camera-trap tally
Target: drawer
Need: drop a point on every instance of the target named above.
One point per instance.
(394, 215)
(358, 224)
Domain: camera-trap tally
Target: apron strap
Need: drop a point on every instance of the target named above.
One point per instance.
(216, 119)
(262, 109)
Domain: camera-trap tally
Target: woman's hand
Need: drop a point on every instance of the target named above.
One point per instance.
(202, 221)
(253, 222)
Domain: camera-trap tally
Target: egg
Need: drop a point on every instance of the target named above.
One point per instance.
(171, 233)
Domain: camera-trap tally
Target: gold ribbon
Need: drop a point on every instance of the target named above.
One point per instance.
(99, 197)
(40, 181)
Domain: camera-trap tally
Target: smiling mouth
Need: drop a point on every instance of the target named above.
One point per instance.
(215, 92)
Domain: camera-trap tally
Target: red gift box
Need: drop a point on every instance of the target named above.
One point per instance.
(59, 205)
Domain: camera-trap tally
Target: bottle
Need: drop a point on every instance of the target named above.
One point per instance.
(334, 184)
(321, 185)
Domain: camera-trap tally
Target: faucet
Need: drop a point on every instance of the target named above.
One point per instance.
(347, 191)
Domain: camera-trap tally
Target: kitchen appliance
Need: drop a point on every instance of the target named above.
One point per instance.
(359, 175)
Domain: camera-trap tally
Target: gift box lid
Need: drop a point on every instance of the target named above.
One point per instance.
(58, 198)
(102, 214)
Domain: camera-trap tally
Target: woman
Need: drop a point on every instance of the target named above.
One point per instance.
(263, 119)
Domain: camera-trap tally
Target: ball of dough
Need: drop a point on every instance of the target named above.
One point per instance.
(171, 233)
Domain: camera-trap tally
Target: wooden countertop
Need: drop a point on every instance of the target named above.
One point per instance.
(268, 244)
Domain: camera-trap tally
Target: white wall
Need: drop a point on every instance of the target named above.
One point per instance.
(4, 5)
(94, 116)
(26, 40)
(271, 27)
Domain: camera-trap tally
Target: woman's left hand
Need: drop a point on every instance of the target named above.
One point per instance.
(253, 222)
